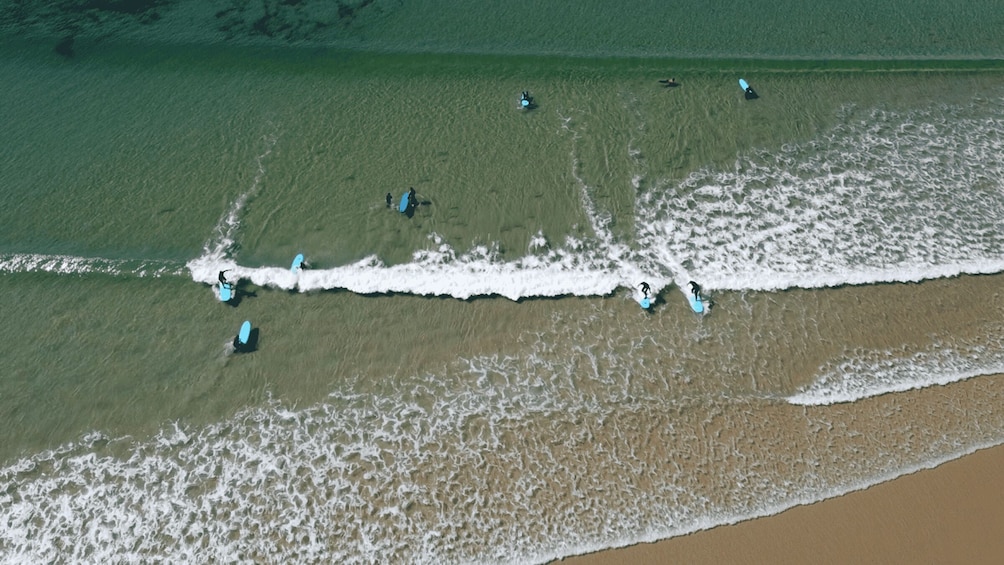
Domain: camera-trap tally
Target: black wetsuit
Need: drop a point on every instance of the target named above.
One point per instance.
(223, 278)
(695, 288)
(412, 201)
(645, 289)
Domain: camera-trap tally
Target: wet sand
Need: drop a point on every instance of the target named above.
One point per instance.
(953, 513)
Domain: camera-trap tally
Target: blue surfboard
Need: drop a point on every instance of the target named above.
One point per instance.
(696, 304)
(245, 334)
(226, 292)
(743, 84)
(297, 263)
(645, 303)
(404, 203)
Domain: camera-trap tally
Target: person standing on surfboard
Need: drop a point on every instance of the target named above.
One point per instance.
(645, 289)
(696, 289)
(223, 277)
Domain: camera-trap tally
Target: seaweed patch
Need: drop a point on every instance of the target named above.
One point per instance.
(69, 19)
(291, 20)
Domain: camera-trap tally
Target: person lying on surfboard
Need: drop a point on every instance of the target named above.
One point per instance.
(669, 81)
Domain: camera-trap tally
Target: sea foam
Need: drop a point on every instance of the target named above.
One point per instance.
(74, 265)
(864, 374)
(883, 196)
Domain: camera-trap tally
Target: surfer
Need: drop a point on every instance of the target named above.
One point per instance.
(645, 289)
(390, 200)
(696, 289)
(525, 100)
(223, 277)
(412, 201)
(669, 82)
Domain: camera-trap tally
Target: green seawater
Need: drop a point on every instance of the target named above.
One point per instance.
(133, 142)
(135, 152)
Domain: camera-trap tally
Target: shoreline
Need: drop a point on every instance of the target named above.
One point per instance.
(950, 513)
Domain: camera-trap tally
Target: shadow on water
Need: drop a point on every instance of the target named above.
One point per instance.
(239, 291)
(410, 210)
(653, 301)
(250, 346)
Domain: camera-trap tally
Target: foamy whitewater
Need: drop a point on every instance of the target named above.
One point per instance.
(429, 473)
(487, 460)
(882, 197)
(863, 374)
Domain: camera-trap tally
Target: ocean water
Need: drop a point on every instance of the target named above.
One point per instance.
(477, 383)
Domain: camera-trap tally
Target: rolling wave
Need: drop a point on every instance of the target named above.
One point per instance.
(866, 374)
(884, 196)
(72, 265)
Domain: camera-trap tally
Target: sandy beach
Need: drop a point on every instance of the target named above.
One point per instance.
(953, 513)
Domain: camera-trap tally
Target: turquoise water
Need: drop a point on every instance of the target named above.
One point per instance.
(477, 383)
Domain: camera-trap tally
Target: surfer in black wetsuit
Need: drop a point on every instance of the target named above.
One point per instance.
(390, 200)
(223, 277)
(645, 289)
(412, 202)
(696, 289)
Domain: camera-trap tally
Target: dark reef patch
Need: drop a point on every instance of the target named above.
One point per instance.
(290, 20)
(71, 19)
(293, 21)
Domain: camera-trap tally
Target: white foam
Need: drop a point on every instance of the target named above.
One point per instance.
(74, 265)
(221, 244)
(492, 459)
(882, 197)
(439, 272)
(448, 468)
(865, 374)
(596, 267)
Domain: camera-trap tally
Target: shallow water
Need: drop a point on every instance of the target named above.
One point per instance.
(477, 383)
